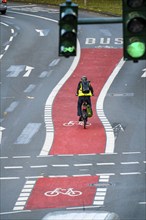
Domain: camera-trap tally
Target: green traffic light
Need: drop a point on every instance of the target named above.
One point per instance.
(69, 49)
(136, 49)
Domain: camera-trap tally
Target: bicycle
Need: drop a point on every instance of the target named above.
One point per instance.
(84, 113)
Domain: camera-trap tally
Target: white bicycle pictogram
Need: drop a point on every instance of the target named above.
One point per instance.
(68, 192)
(72, 123)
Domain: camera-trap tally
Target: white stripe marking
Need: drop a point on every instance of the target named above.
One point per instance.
(110, 139)
(50, 132)
(14, 167)
(28, 132)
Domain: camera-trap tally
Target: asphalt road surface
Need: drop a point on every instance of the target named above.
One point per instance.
(48, 161)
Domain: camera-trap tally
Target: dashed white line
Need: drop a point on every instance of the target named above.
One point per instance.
(142, 203)
(131, 173)
(131, 152)
(104, 164)
(9, 178)
(87, 164)
(128, 163)
(13, 167)
(60, 165)
(39, 166)
(21, 157)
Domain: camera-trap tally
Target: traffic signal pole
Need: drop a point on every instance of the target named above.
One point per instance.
(100, 20)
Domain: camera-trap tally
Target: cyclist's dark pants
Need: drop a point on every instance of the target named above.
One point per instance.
(81, 99)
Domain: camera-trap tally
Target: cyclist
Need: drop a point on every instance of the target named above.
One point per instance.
(83, 94)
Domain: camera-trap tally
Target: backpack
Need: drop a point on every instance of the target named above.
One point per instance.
(85, 87)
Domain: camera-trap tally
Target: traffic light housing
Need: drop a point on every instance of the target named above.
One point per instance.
(68, 29)
(134, 30)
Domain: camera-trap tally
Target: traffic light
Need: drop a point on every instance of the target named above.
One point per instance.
(134, 29)
(68, 29)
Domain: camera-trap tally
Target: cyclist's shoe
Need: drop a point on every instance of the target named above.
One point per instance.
(80, 118)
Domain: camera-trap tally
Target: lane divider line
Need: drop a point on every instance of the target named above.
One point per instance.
(24, 195)
(48, 106)
(9, 41)
(110, 138)
(101, 192)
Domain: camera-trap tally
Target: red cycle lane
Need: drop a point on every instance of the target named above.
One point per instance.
(72, 138)
(69, 136)
(62, 192)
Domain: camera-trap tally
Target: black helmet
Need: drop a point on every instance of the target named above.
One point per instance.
(84, 78)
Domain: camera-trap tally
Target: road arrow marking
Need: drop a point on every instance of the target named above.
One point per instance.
(1, 130)
(43, 32)
(15, 70)
(144, 74)
(28, 71)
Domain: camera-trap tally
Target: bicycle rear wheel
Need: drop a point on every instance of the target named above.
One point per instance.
(85, 122)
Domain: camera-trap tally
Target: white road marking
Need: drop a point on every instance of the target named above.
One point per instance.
(1, 130)
(9, 178)
(20, 157)
(54, 62)
(12, 106)
(39, 166)
(24, 195)
(13, 167)
(131, 152)
(60, 165)
(28, 70)
(43, 32)
(86, 164)
(28, 132)
(128, 163)
(48, 106)
(29, 88)
(15, 70)
(105, 164)
(110, 138)
(131, 173)
(142, 203)
(144, 74)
